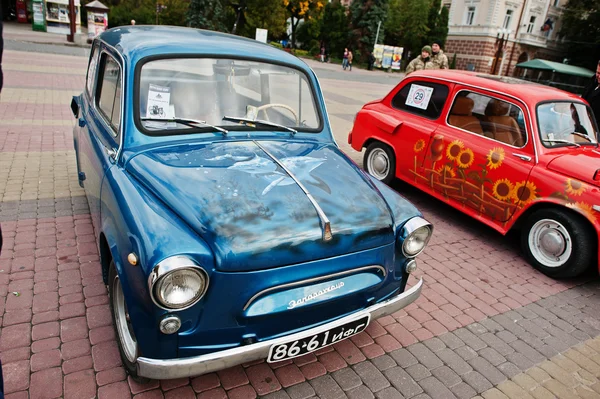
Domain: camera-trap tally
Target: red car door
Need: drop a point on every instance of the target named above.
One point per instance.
(482, 154)
(417, 107)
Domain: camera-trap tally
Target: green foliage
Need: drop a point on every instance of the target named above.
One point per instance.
(453, 62)
(437, 23)
(336, 28)
(301, 53)
(143, 11)
(581, 28)
(308, 33)
(207, 14)
(302, 9)
(364, 18)
(407, 24)
(263, 14)
(276, 44)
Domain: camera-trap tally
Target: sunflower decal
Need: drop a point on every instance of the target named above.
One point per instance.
(454, 148)
(584, 208)
(419, 145)
(446, 172)
(465, 158)
(503, 189)
(524, 192)
(575, 187)
(495, 158)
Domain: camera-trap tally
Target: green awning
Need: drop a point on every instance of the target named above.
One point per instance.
(557, 67)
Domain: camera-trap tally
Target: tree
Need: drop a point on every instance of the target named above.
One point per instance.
(207, 14)
(298, 9)
(581, 29)
(406, 25)
(264, 14)
(365, 15)
(437, 23)
(336, 27)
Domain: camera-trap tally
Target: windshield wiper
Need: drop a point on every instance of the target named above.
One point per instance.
(561, 141)
(249, 122)
(585, 136)
(187, 122)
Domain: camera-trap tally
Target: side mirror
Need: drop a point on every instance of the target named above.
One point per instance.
(75, 106)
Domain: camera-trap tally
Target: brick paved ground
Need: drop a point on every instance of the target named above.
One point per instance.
(486, 324)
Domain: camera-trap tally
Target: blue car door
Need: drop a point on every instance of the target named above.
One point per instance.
(99, 137)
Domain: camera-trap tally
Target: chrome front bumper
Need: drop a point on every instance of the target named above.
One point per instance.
(192, 366)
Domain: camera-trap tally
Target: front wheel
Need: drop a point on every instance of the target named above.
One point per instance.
(126, 341)
(380, 162)
(558, 243)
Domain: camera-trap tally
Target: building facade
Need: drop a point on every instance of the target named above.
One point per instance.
(493, 36)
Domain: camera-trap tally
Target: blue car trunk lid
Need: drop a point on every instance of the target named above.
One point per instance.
(253, 214)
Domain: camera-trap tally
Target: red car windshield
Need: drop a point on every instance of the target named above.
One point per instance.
(566, 123)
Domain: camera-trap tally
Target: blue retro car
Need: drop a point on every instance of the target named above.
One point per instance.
(230, 225)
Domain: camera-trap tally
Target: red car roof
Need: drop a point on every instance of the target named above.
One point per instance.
(529, 92)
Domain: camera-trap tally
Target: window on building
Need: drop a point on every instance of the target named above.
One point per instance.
(507, 19)
(531, 24)
(470, 15)
(556, 3)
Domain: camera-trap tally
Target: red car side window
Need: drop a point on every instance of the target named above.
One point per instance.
(422, 98)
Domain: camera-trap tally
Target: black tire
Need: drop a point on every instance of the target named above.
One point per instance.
(129, 366)
(581, 236)
(383, 153)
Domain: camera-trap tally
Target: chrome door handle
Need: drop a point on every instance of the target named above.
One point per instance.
(522, 157)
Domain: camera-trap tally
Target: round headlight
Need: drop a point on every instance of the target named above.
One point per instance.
(180, 288)
(416, 241)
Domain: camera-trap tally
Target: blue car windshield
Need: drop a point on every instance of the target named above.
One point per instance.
(208, 89)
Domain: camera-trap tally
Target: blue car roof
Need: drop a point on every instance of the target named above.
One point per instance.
(137, 42)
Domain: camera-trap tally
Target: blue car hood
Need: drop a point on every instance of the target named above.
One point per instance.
(252, 214)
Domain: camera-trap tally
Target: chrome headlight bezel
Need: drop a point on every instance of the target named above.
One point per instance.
(172, 265)
(410, 228)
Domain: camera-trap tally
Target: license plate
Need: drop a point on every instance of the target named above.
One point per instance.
(302, 346)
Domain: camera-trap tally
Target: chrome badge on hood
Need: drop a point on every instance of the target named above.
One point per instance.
(311, 297)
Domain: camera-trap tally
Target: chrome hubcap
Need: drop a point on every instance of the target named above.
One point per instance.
(123, 323)
(379, 164)
(550, 243)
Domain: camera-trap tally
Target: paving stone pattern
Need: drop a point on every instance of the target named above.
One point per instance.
(485, 316)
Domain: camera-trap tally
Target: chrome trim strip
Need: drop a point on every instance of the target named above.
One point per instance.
(325, 224)
(193, 366)
(168, 265)
(596, 208)
(312, 280)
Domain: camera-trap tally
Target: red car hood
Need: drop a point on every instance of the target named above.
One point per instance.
(581, 166)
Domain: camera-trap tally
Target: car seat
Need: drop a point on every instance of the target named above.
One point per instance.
(461, 115)
(503, 127)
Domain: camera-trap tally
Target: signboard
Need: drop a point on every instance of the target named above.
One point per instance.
(97, 23)
(261, 35)
(39, 19)
(396, 58)
(419, 96)
(388, 52)
(378, 54)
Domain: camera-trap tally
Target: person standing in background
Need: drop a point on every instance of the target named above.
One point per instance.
(439, 59)
(592, 95)
(421, 62)
(345, 59)
(350, 58)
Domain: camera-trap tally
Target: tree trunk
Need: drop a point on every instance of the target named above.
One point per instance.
(294, 26)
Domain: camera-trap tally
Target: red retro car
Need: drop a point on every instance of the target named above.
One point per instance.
(509, 153)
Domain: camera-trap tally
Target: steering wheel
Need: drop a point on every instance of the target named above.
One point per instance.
(267, 106)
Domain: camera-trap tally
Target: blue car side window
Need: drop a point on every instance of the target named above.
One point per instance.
(91, 74)
(108, 98)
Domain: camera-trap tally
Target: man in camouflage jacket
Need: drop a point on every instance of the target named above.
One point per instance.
(439, 59)
(422, 62)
